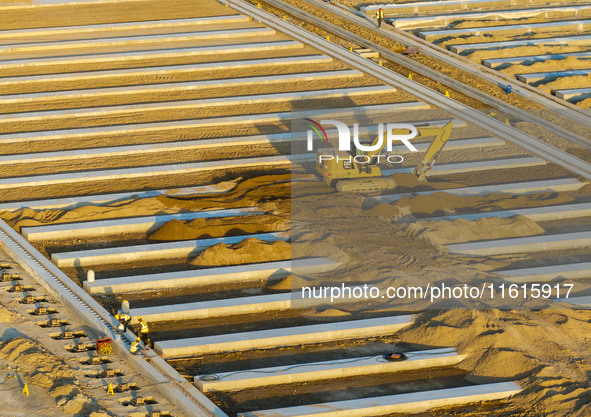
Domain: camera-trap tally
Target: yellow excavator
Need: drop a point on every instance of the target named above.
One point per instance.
(360, 173)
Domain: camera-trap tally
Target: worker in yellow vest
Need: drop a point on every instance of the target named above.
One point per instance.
(144, 331)
(380, 17)
(124, 320)
(135, 345)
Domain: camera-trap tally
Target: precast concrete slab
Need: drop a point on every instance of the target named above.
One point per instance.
(131, 109)
(537, 214)
(150, 171)
(406, 23)
(528, 187)
(146, 129)
(550, 75)
(176, 87)
(432, 6)
(548, 273)
(487, 46)
(415, 402)
(152, 251)
(215, 308)
(499, 63)
(100, 199)
(282, 337)
(168, 70)
(584, 301)
(455, 168)
(560, 26)
(80, 230)
(83, 30)
(453, 145)
(148, 54)
(573, 94)
(539, 243)
(129, 41)
(227, 275)
(326, 370)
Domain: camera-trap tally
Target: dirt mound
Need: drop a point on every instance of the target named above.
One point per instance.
(251, 250)
(204, 228)
(462, 230)
(7, 316)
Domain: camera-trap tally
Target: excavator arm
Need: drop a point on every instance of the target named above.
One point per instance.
(442, 134)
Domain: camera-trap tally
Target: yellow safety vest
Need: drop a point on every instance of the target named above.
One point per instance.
(123, 317)
(380, 14)
(134, 346)
(145, 328)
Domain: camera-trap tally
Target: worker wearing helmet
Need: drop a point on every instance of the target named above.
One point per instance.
(124, 320)
(144, 331)
(135, 346)
(380, 17)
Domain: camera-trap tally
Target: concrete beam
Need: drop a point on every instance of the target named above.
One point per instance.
(158, 127)
(529, 187)
(482, 46)
(548, 273)
(431, 6)
(146, 72)
(80, 230)
(415, 402)
(156, 108)
(153, 251)
(100, 199)
(560, 26)
(150, 171)
(282, 337)
(146, 55)
(406, 23)
(82, 30)
(327, 370)
(455, 168)
(573, 94)
(454, 145)
(216, 308)
(528, 244)
(584, 301)
(229, 275)
(550, 75)
(141, 40)
(499, 63)
(177, 87)
(537, 214)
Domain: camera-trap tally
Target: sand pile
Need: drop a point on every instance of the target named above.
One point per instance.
(568, 63)
(547, 352)
(578, 81)
(204, 228)
(461, 230)
(248, 251)
(7, 316)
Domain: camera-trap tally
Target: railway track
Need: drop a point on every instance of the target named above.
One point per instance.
(106, 178)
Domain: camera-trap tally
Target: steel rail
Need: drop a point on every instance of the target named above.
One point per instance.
(494, 126)
(454, 84)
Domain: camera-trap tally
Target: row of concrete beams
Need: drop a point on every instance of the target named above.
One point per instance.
(561, 26)
(87, 31)
(157, 108)
(528, 187)
(152, 251)
(151, 171)
(562, 41)
(326, 370)
(202, 144)
(472, 166)
(129, 41)
(407, 23)
(550, 75)
(425, 7)
(227, 275)
(139, 57)
(191, 124)
(500, 63)
(412, 403)
(144, 224)
(282, 337)
(176, 87)
(573, 94)
(153, 74)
